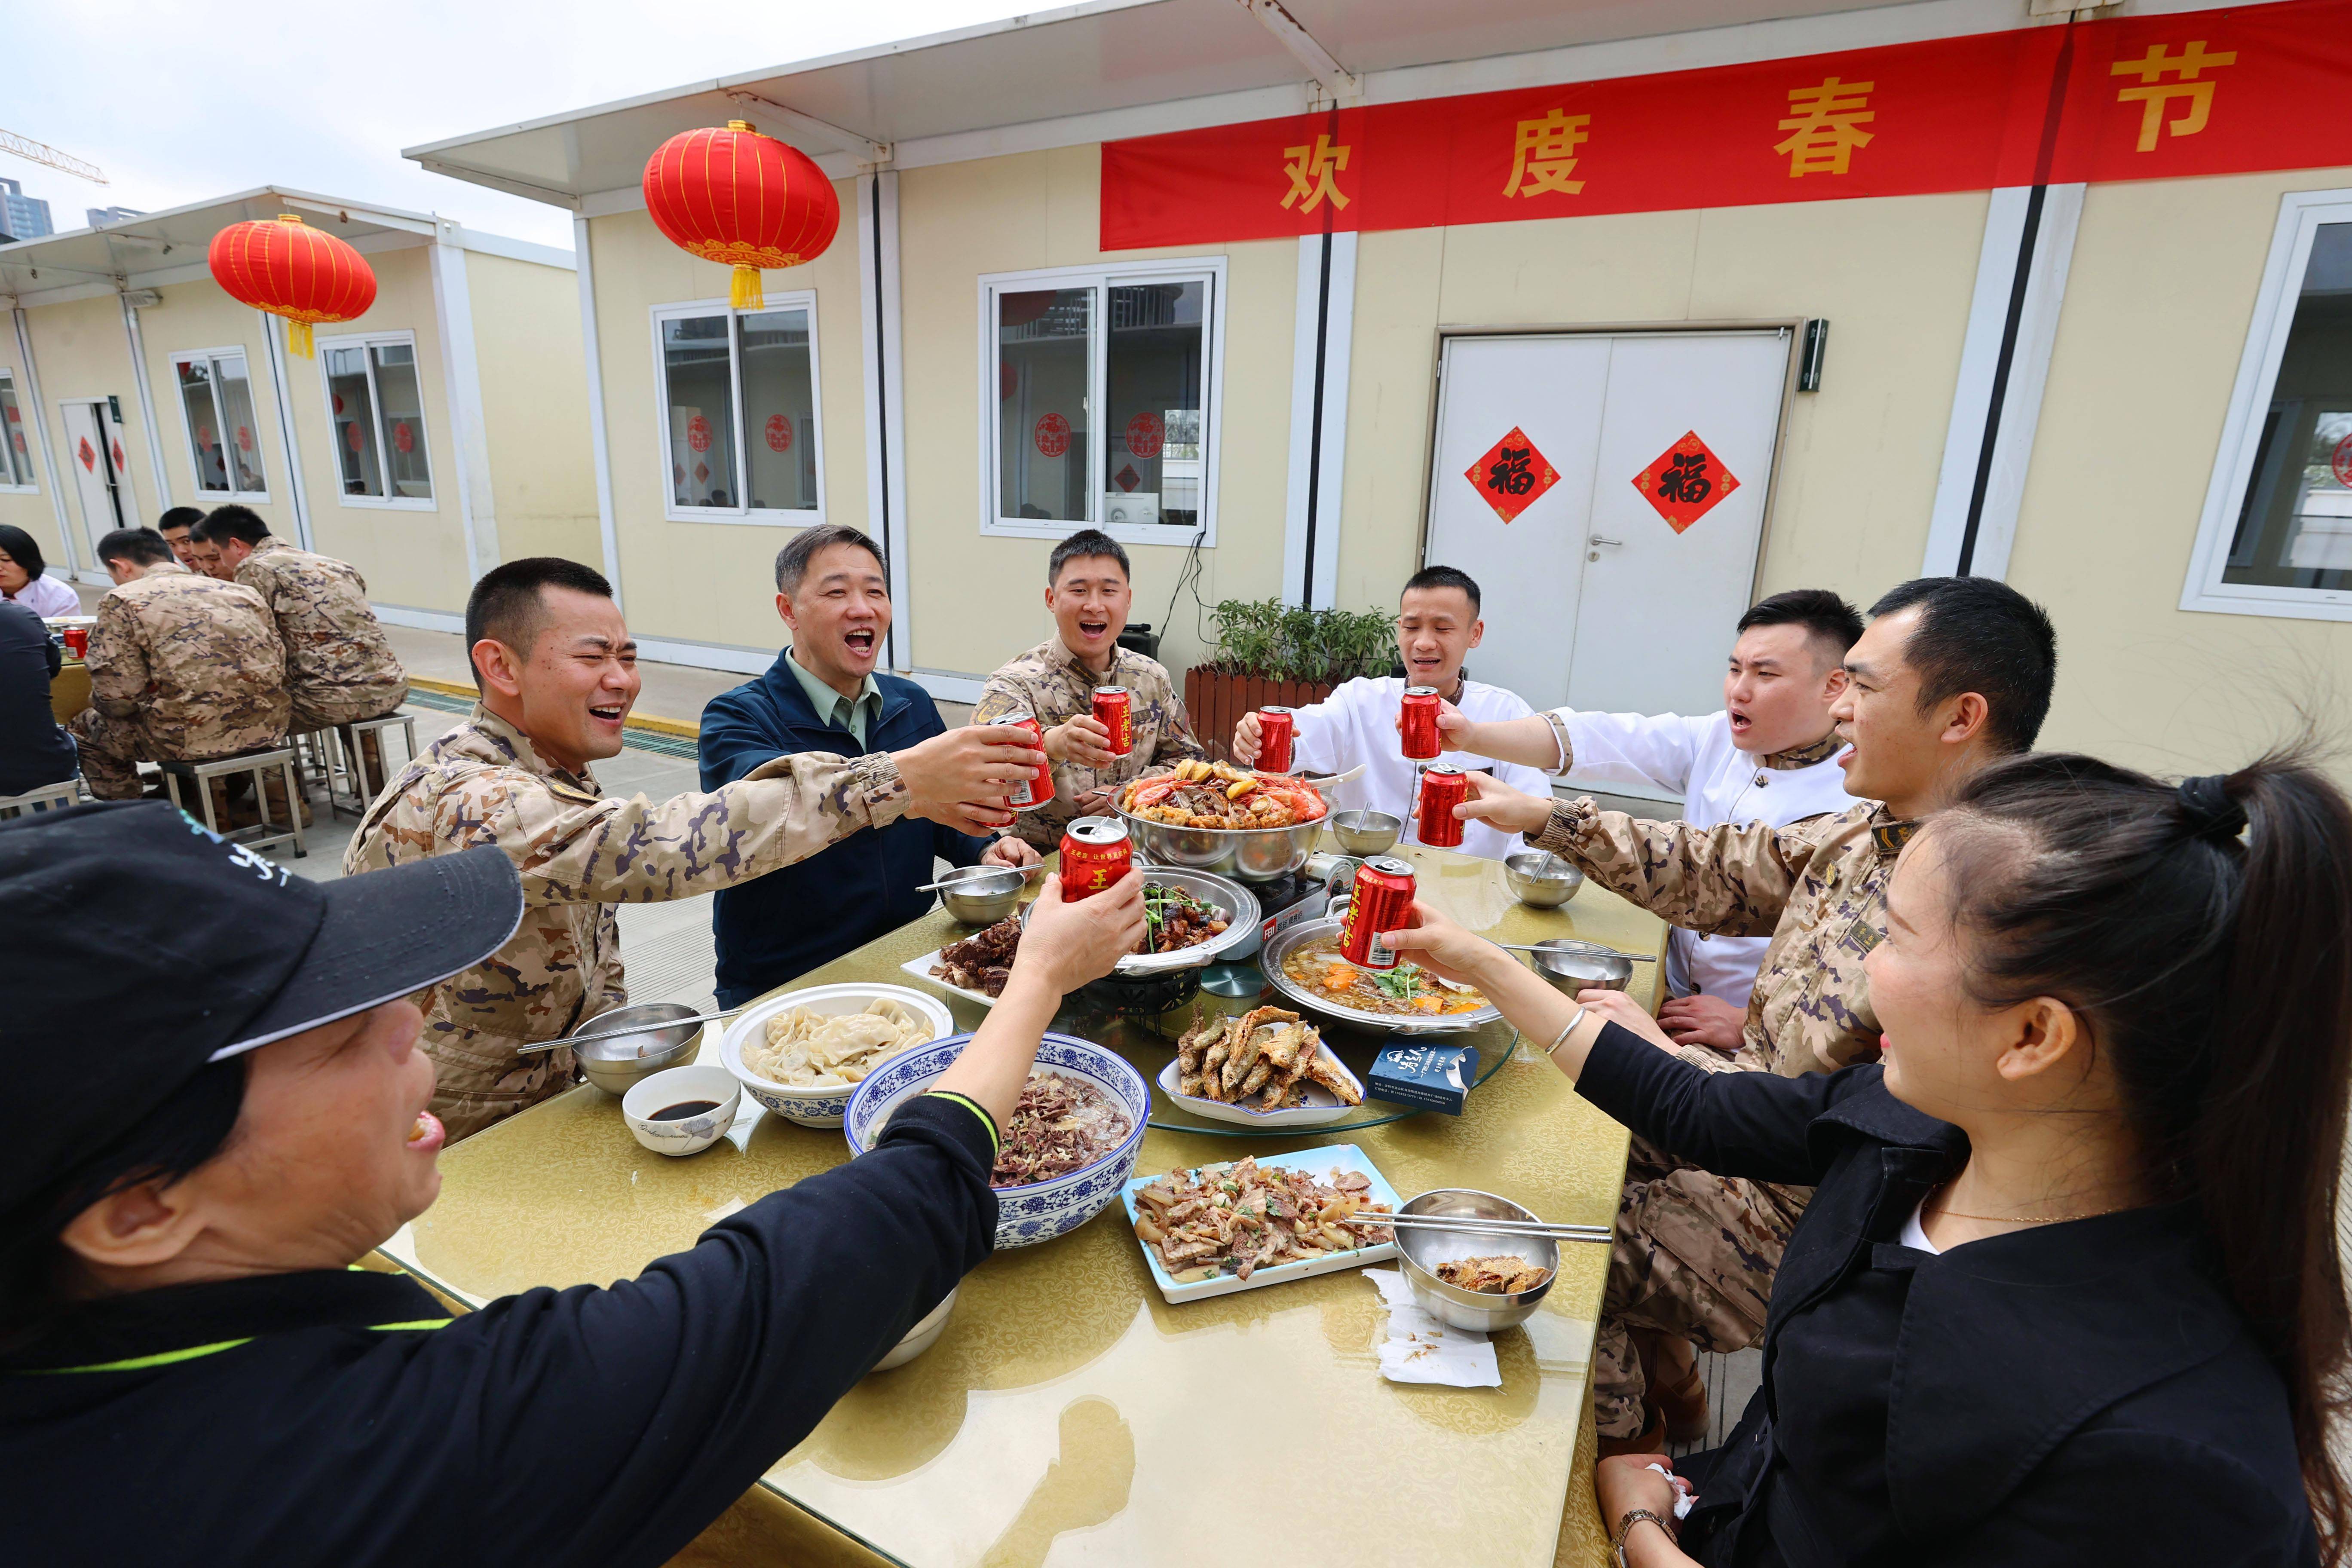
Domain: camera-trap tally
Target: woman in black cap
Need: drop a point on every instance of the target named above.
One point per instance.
(222, 1106)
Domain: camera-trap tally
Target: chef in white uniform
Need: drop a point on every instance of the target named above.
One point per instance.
(1769, 756)
(1437, 625)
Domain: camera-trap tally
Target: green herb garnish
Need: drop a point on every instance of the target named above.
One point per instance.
(1401, 983)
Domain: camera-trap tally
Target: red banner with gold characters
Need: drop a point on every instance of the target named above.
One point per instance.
(2134, 98)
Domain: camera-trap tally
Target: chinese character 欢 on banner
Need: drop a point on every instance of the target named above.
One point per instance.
(2153, 94)
(1544, 155)
(1312, 171)
(1825, 125)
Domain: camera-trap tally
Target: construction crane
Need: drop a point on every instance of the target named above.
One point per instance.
(41, 152)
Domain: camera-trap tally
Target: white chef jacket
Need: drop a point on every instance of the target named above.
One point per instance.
(1357, 724)
(47, 597)
(1694, 757)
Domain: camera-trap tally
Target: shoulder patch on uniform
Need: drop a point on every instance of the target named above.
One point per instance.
(1889, 838)
(1862, 935)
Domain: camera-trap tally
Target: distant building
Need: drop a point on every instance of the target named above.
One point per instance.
(24, 217)
(101, 217)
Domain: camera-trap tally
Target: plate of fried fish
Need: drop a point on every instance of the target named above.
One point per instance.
(1267, 1068)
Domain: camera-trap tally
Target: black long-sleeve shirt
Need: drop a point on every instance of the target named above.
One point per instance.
(33, 749)
(2065, 1396)
(343, 1418)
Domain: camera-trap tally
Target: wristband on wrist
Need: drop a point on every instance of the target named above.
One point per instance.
(1632, 1517)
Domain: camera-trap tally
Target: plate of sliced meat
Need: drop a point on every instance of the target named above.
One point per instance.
(1258, 1221)
(1264, 1068)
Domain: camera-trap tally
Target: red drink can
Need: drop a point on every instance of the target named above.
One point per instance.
(1420, 726)
(1038, 787)
(1383, 901)
(77, 639)
(1114, 710)
(1275, 730)
(1095, 854)
(1442, 789)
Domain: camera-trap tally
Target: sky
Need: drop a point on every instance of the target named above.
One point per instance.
(178, 102)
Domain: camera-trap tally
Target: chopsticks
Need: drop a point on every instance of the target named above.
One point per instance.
(1473, 1225)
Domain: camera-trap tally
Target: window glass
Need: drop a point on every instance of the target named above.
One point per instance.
(15, 447)
(699, 382)
(2294, 530)
(1044, 373)
(402, 426)
(1155, 376)
(351, 407)
(779, 429)
(241, 430)
(205, 439)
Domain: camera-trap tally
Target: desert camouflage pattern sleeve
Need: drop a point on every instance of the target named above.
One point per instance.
(1731, 879)
(117, 663)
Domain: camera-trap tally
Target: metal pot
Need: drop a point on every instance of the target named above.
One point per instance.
(1252, 854)
(1305, 999)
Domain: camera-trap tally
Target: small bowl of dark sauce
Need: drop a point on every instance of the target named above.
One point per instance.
(682, 1111)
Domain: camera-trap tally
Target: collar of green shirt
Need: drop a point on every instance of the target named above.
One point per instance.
(856, 714)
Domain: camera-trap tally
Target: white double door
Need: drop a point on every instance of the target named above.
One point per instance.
(1592, 599)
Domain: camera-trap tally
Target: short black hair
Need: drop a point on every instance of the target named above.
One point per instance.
(1445, 577)
(1079, 546)
(1827, 618)
(221, 523)
(20, 547)
(1980, 635)
(792, 559)
(139, 546)
(507, 606)
(180, 516)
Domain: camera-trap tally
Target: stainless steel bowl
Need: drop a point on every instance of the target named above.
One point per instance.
(981, 895)
(1574, 966)
(1306, 999)
(613, 1065)
(1365, 832)
(1541, 878)
(1236, 902)
(1421, 1251)
(1252, 854)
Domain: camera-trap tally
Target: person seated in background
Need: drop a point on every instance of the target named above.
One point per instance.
(824, 693)
(182, 669)
(182, 1226)
(2068, 1289)
(340, 668)
(35, 750)
(1769, 756)
(1088, 593)
(24, 579)
(177, 527)
(1437, 625)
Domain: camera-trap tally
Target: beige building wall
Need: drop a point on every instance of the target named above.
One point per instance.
(980, 599)
(713, 582)
(2159, 302)
(34, 511)
(82, 352)
(199, 315)
(535, 406)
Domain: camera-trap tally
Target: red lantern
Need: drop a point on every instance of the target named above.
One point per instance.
(743, 200)
(290, 270)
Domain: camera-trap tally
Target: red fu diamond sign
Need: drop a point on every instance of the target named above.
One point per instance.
(1685, 481)
(1512, 476)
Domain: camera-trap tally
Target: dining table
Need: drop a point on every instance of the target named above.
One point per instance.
(1068, 1413)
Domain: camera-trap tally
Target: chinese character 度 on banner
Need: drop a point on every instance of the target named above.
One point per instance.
(1545, 155)
(2152, 95)
(1826, 122)
(1311, 171)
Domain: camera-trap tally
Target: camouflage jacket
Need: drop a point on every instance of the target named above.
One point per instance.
(1049, 681)
(580, 853)
(339, 668)
(1818, 888)
(197, 662)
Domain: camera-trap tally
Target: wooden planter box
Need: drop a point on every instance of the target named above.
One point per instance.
(1216, 702)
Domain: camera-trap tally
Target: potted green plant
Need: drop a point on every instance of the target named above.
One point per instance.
(1270, 653)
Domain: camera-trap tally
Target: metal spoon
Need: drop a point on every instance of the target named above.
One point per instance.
(632, 1029)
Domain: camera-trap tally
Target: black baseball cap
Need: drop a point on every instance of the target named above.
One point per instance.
(141, 946)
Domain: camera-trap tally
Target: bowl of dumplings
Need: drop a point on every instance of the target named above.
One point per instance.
(803, 1054)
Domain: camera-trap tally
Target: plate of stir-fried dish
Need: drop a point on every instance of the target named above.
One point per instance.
(1260, 1220)
(1266, 1068)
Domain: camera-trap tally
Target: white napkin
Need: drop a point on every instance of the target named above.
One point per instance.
(1419, 1349)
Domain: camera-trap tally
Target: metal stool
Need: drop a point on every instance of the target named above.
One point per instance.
(48, 797)
(314, 760)
(354, 757)
(264, 835)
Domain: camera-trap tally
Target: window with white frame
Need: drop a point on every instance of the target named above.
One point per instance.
(375, 407)
(16, 441)
(1101, 386)
(738, 395)
(2276, 538)
(224, 435)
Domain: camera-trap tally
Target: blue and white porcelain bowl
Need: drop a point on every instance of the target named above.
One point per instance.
(821, 1108)
(1042, 1210)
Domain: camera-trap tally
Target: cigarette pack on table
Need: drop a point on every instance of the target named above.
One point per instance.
(1437, 1076)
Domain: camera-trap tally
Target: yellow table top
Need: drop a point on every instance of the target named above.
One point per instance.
(70, 689)
(1069, 1412)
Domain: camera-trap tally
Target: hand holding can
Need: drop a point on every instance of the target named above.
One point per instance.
(1277, 729)
(1417, 724)
(1115, 712)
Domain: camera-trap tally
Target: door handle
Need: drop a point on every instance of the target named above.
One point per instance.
(1596, 539)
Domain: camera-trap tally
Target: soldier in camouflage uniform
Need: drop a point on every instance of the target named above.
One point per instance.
(182, 669)
(1088, 593)
(580, 852)
(339, 667)
(1952, 674)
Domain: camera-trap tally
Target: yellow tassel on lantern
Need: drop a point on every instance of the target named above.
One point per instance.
(744, 292)
(299, 341)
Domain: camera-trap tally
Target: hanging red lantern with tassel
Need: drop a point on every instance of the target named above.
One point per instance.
(288, 269)
(743, 200)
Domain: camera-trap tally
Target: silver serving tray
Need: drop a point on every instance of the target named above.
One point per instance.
(1236, 902)
(1310, 1001)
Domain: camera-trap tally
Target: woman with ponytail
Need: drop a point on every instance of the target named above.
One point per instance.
(2068, 1292)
